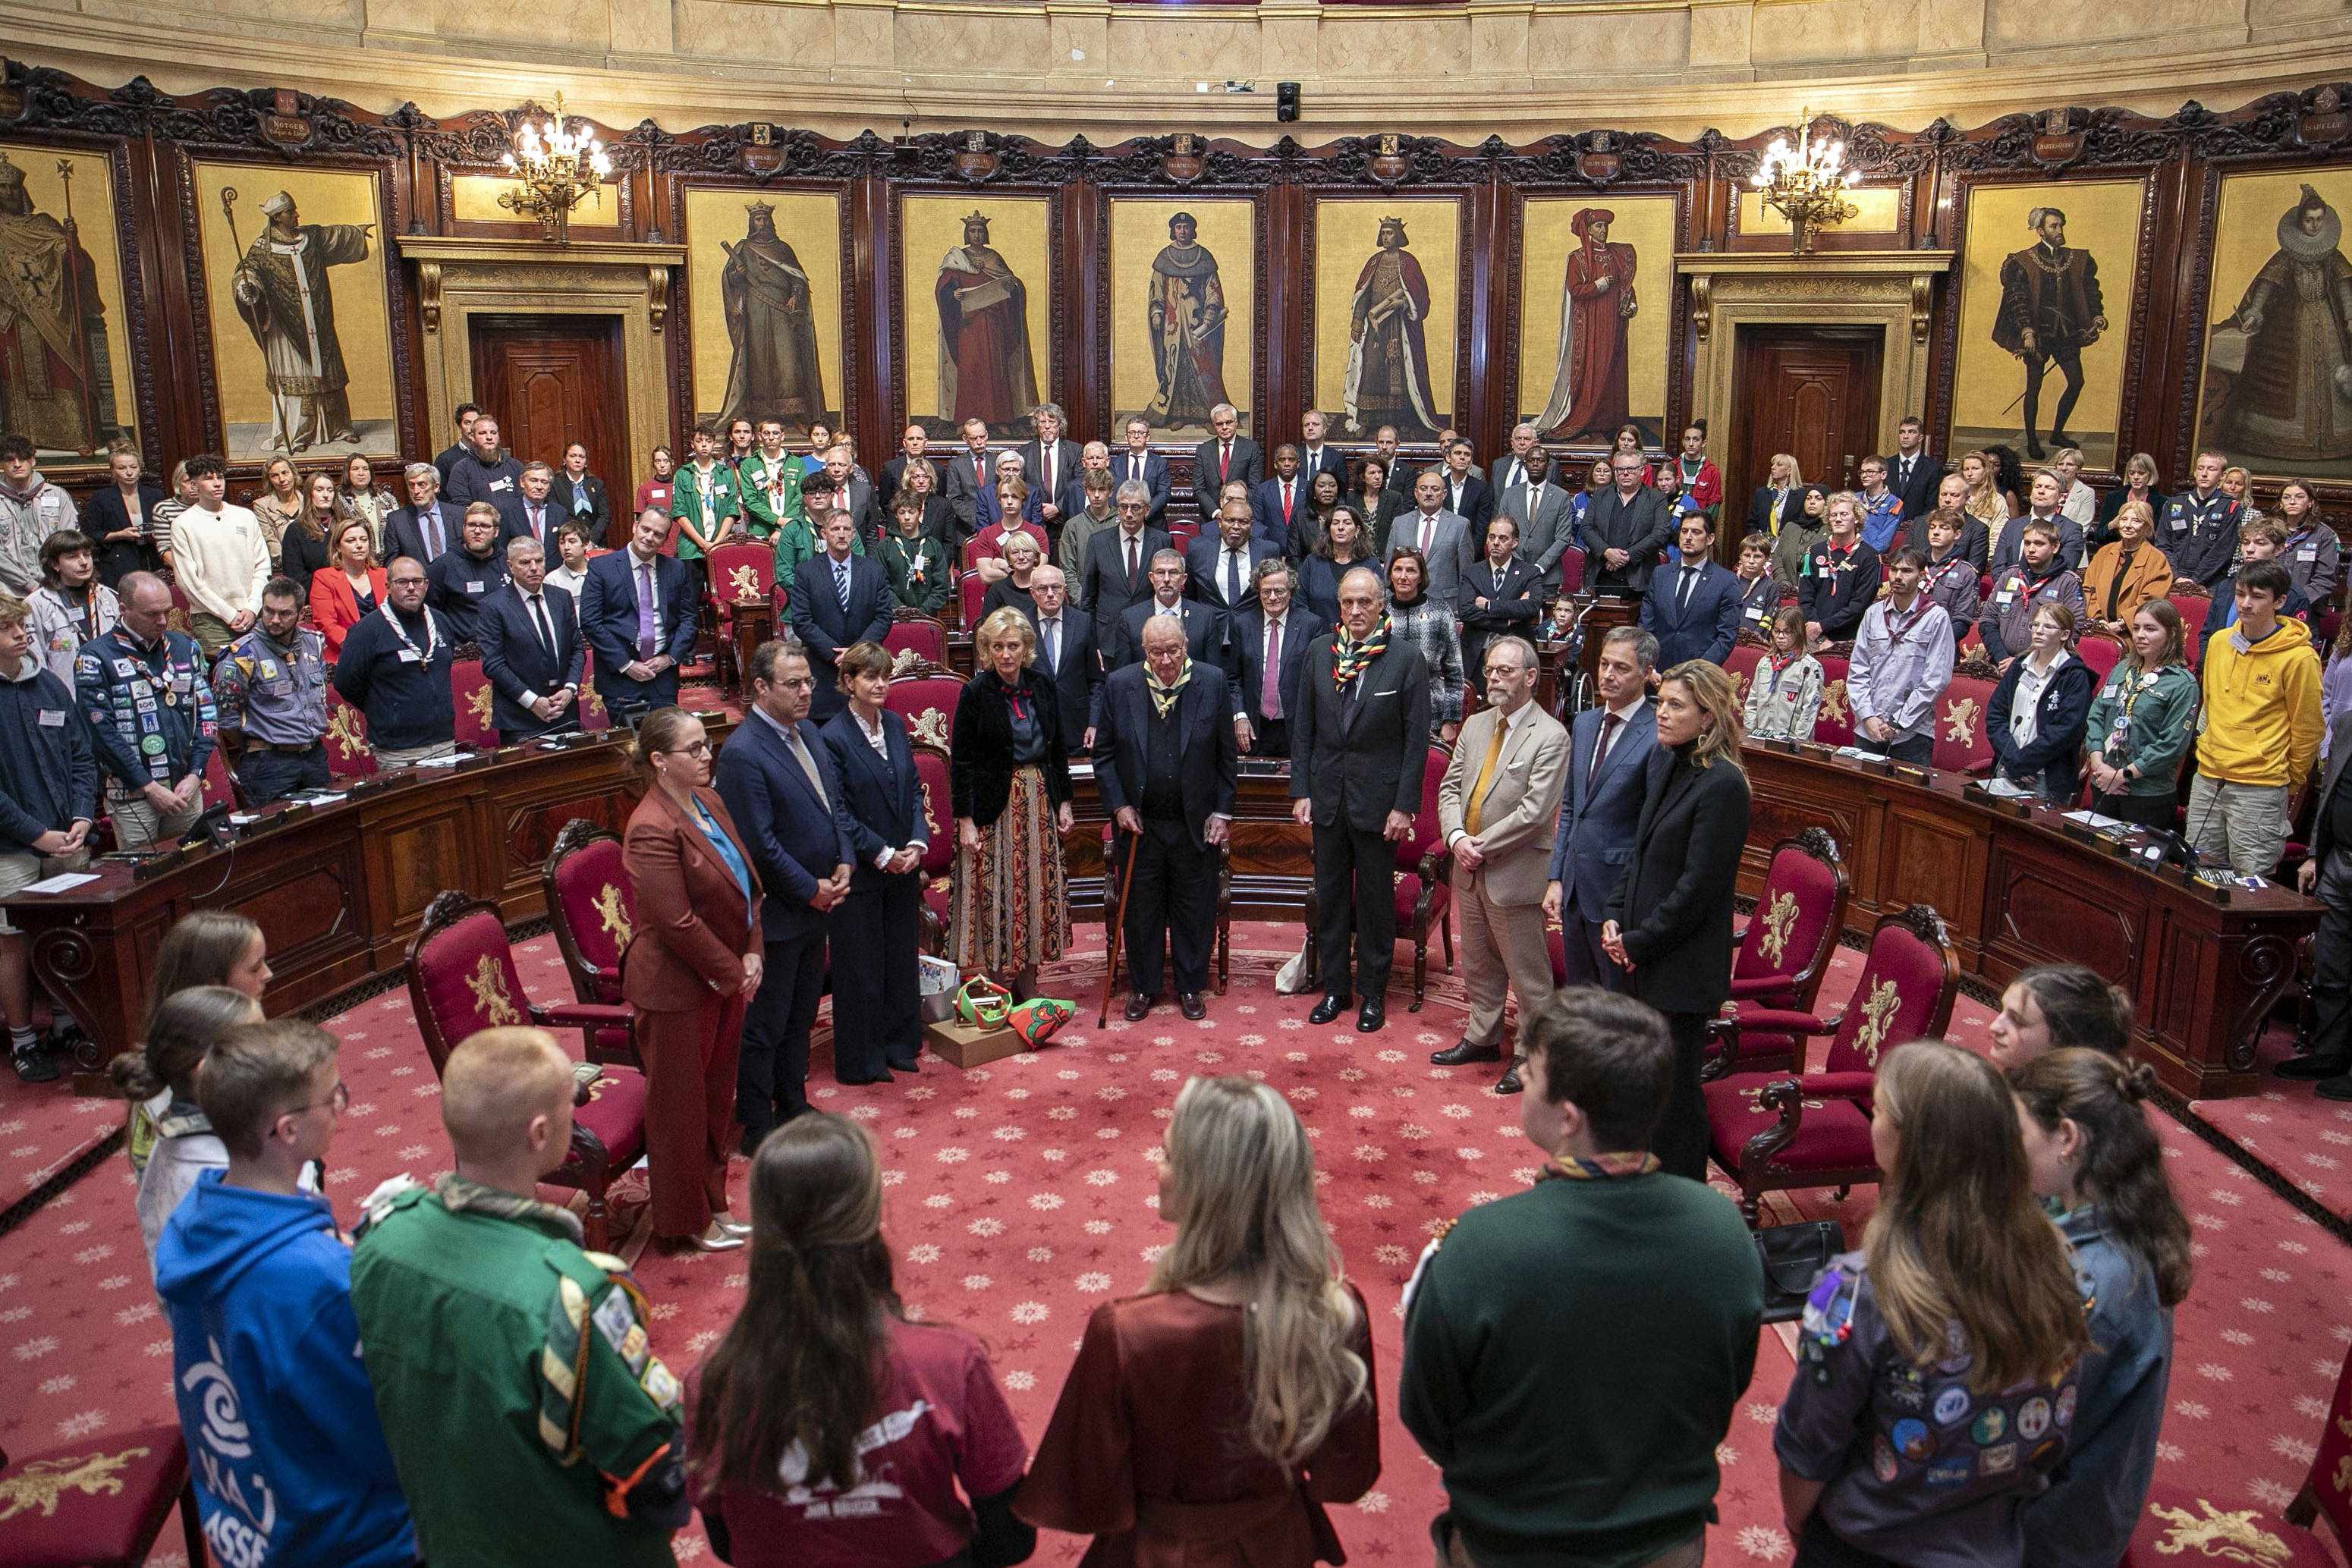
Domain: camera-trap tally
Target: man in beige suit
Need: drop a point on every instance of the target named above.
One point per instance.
(1495, 806)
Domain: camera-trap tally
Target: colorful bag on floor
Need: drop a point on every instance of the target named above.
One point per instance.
(982, 1003)
(1037, 1019)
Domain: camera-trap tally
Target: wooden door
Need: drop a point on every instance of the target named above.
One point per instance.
(552, 380)
(1811, 391)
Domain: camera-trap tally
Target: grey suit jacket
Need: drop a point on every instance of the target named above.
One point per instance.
(1544, 537)
(1450, 553)
(1599, 816)
(1521, 805)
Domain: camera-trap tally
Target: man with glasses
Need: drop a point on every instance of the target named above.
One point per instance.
(395, 671)
(637, 612)
(1625, 528)
(1118, 569)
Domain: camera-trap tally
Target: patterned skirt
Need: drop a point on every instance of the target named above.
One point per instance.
(1010, 909)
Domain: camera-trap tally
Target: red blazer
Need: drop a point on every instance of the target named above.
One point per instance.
(982, 547)
(694, 925)
(335, 609)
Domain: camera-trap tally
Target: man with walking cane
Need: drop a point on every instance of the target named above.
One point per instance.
(1164, 761)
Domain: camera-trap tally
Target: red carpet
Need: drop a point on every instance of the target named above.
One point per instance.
(1022, 1194)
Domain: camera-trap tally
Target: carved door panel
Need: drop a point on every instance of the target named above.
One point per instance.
(1811, 391)
(552, 380)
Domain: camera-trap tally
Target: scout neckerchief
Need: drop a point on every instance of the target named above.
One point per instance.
(432, 628)
(1689, 474)
(771, 477)
(1598, 1167)
(1349, 658)
(1781, 666)
(2134, 682)
(1164, 698)
(911, 552)
(1898, 635)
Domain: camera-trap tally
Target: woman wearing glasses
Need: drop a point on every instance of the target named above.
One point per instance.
(689, 975)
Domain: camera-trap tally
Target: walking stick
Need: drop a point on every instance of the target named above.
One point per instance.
(1110, 968)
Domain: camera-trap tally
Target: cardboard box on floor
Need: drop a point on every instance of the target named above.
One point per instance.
(964, 1046)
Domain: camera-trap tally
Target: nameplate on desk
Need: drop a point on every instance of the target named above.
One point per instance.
(2003, 804)
(1912, 775)
(1815, 749)
(1266, 766)
(1778, 743)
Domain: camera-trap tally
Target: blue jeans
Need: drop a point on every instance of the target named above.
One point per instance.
(267, 776)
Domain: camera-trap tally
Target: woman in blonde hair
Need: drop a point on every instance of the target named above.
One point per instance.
(1009, 782)
(1669, 925)
(1249, 1340)
(1986, 503)
(1934, 1388)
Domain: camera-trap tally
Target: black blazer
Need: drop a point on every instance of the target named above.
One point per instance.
(1673, 901)
(514, 661)
(1248, 466)
(403, 534)
(2059, 721)
(980, 757)
(561, 497)
(885, 799)
(1204, 631)
(1076, 675)
(1926, 477)
(825, 629)
(1358, 762)
(1641, 528)
(1204, 572)
(1300, 627)
(1204, 742)
(108, 514)
(1477, 508)
(1102, 578)
(1792, 507)
(299, 555)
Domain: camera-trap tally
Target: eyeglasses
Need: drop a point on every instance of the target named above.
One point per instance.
(339, 1101)
(699, 749)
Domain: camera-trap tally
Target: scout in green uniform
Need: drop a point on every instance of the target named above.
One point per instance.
(706, 497)
(770, 483)
(803, 538)
(528, 1416)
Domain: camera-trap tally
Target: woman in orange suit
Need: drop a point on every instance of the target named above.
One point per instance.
(349, 586)
(688, 972)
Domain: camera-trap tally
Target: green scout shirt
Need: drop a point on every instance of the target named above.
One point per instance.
(795, 543)
(769, 495)
(512, 1371)
(688, 503)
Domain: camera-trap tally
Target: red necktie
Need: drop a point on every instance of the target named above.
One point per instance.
(1286, 505)
(1225, 462)
(1609, 723)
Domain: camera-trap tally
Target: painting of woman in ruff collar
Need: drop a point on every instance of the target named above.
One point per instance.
(2287, 350)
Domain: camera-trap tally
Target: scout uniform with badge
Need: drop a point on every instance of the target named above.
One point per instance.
(2007, 625)
(59, 627)
(528, 1416)
(1952, 583)
(1837, 586)
(2199, 534)
(2314, 556)
(1696, 487)
(1916, 1465)
(1759, 600)
(149, 709)
(275, 696)
(772, 492)
(707, 499)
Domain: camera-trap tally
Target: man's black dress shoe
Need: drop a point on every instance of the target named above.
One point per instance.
(1139, 1008)
(1329, 1007)
(1373, 1015)
(2310, 1069)
(2334, 1088)
(1460, 1053)
(1192, 1006)
(1508, 1083)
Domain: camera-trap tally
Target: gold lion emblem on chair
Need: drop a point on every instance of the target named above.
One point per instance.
(41, 1483)
(931, 725)
(489, 984)
(1779, 918)
(1960, 716)
(2235, 1536)
(1877, 1016)
(1833, 704)
(612, 913)
(344, 729)
(904, 660)
(480, 704)
(745, 582)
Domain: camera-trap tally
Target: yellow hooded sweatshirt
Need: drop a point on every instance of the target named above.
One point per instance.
(2261, 707)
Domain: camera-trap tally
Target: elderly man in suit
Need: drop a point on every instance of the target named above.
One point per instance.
(426, 527)
(638, 614)
(1221, 571)
(1135, 461)
(914, 446)
(1443, 538)
(1204, 627)
(1049, 461)
(1274, 640)
(1692, 608)
(1543, 511)
(1500, 595)
(1358, 748)
(1497, 805)
(1626, 528)
(529, 634)
(839, 599)
(969, 475)
(1066, 655)
(1608, 782)
(1224, 458)
(784, 796)
(1117, 571)
(1163, 753)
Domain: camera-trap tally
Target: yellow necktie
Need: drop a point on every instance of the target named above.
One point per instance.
(1486, 779)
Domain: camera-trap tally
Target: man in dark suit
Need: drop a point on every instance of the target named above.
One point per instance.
(465, 415)
(529, 634)
(1224, 457)
(854, 499)
(1400, 470)
(1499, 596)
(1066, 655)
(839, 599)
(427, 525)
(1093, 458)
(1163, 754)
(637, 615)
(1625, 530)
(1693, 608)
(533, 514)
(1204, 628)
(1221, 571)
(1263, 708)
(1359, 746)
(1049, 462)
(914, 443)
(1274, 504)
(1315, 454)
(1608, 782)
(1911, 474)
(2326, 875)
(1543, 511)
(780, 789)
(1136, 461)
(579, 496)
(967, 474)
(1117, 568)
(1467, 493)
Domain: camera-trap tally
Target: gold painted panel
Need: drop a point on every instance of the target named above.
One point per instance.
(1388, 301)
(1181, 315)
(763, 290)
(2277, 350)
(978, 281)
(65, 335)
(1596, 299)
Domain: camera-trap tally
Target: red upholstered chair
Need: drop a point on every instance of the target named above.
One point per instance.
(939, 857)
(1960, 743)
(348, 755)
(592, 706)
(98, 1504)
(1741, 663)
(220, 785)
(1184, 533)
(1775, 1131)
(970, 591)
(1834, 726)
(462, 979)
(1571, 571)
(745, 573)
(916, 639)
(1424, 884)
(471, 688)
(2101, 652)
(2177, 1526)
(926, 698)
(595, 912)
(1784, 953)
(2193, 608)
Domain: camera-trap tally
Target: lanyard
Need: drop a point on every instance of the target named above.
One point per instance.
(432, 629)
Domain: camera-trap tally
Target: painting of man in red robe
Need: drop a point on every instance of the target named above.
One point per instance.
(1596, 310)
(984, 369)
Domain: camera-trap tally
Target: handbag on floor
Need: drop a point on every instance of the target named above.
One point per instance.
(982, 1003)
(1795, 1256)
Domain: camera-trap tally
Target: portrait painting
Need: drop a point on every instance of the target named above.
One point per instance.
(2277, 337)
(301, 326)
(2047, 276)
(1184, 297)
(65, 334)
(763, 294)
(1388, 300)
(1596, 295)
(978, 289)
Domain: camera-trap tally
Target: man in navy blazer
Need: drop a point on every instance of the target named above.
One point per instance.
(1107, 587)
(1221, 571)
(1169, 783)
(1278, 502)
(1316, 455)
(1262, 718)
(1136, 461)
(410, 530)
(827, 620)
(1204, 628)
(1066, 655)
(778, 779)
(637, 653)
(1601, 810)
(1225, 456)
(529, 634)
(1693, 608)
(1050, 461)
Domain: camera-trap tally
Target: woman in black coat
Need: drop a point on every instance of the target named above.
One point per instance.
(1669, 925)
(1009, 778)
(875, 932)
(125, 543)
(2038, 742)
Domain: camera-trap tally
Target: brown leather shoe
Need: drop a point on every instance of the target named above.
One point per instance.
(1139, 1008)
(1192, 1006)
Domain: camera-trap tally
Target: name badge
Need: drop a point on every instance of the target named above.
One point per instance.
(473, 587)
(143, 705)
(268, 670)
(2180, 524)
(2005, 597)
(2308, 552)
(411, 656)
(53, 718)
